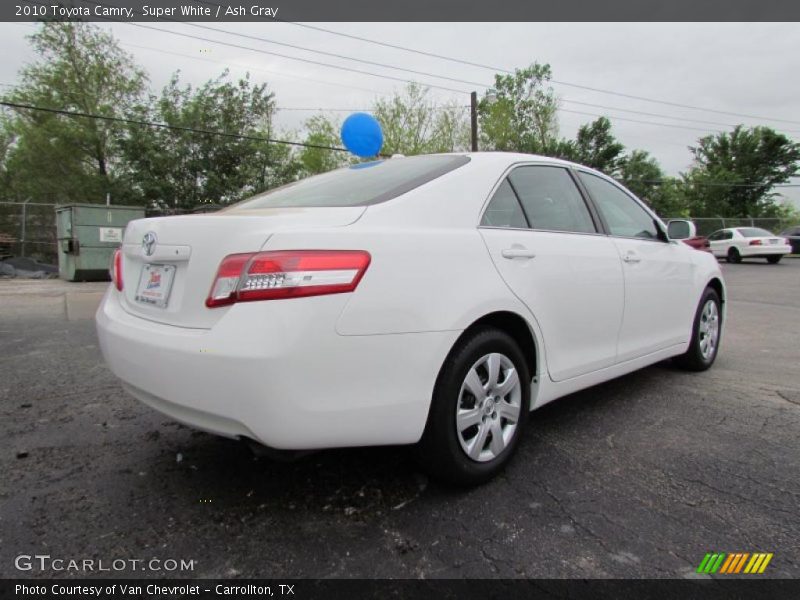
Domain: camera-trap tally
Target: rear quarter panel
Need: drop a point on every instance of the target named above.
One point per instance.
(430, 269)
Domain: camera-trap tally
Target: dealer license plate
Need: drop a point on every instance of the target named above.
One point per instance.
(155, 284)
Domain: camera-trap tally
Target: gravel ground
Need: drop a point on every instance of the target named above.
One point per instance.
(638, 477)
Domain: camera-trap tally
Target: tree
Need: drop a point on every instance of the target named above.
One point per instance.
(7, 141)
(322, 131)
(188, 168)
(413, 124)
(596, 147)
(519, 114)
(81, 69)
(640, 173)
(734, 173)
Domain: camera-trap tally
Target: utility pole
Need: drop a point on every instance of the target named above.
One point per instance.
(473, 106)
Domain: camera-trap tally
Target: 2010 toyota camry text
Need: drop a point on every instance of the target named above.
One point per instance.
(432, 300)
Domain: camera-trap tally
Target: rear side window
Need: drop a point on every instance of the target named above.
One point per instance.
(623, 215)
(750, 232)
(551, 199)
(359, 185)
(504, 209)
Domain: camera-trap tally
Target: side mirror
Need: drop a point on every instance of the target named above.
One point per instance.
(680, 229)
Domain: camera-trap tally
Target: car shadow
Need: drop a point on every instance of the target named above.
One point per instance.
(358, 482)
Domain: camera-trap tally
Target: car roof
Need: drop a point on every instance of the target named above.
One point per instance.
(509, 158)
(513, 157)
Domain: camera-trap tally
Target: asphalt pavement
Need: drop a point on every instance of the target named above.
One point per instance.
(638, 477)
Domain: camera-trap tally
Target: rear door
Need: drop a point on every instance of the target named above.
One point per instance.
(659, 275)
(545, 243)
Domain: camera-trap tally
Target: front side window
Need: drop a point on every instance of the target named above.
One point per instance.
(622, 214)
(717, 235)
(551, 199)
(504, 209)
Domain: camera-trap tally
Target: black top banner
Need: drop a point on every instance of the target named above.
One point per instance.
(405, 10)
(401, 589)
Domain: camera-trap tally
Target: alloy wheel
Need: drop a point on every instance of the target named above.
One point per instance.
(708, 329)
(488, 407)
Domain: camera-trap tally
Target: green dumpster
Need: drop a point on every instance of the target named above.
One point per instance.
(87, 236)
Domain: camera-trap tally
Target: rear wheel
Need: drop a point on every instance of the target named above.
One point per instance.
(479, 408)
(734, 256)
(705, 335)
(774, 260)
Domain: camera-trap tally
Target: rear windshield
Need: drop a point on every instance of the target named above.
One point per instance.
(754, 232)
(358, 185)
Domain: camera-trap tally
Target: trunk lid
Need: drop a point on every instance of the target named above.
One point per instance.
(185, 252)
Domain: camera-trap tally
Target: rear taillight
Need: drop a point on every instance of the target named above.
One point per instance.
(116, 269)
(286, 274)
(755, 243)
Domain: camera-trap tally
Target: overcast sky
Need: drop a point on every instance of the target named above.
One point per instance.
(746, 68)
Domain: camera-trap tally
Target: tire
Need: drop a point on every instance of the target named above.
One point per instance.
(443, 449)
(733, 256)
(774, 260)
(704, 346)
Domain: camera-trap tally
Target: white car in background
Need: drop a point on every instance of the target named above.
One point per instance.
(736, 243)
(431, 300)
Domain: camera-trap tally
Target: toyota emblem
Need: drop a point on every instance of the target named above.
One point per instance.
(149, 243)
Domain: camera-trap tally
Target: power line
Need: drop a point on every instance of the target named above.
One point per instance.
(336, 55)
(445, 77)
(262, 51)
(467, 82)
(300, 144)
(413, 50)
(556, 81)
(305, 60)
(662, 116)
(413, 71)
(407, 81)
(672, 125)
(418, 72)
(331, 109)
(577, 112)
(247, 67)
(225, 134)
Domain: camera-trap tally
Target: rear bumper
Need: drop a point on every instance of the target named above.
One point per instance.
(278, 373)
(761, 251)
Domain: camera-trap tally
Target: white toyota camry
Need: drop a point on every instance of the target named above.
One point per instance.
(431, 300)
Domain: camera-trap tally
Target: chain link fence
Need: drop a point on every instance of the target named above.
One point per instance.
(29, 228)
(708, 225)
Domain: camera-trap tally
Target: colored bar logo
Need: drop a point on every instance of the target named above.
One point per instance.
(735, 563)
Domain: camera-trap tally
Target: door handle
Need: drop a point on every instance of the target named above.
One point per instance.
(517, 253)
(631, 258)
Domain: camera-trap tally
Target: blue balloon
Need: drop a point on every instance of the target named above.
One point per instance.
(362, 135)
